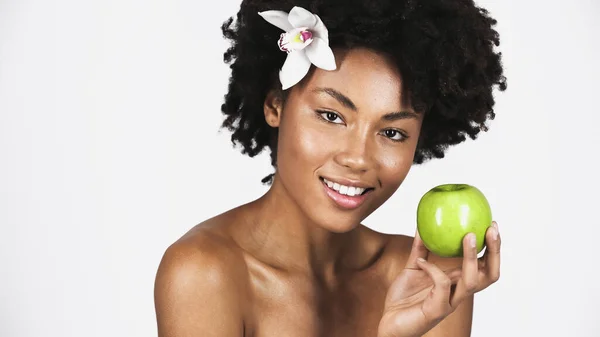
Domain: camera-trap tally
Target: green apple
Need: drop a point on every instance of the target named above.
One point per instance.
(447, 213)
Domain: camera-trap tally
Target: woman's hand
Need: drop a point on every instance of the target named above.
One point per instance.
(423, 295)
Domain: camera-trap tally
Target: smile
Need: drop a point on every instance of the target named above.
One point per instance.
(345, 196)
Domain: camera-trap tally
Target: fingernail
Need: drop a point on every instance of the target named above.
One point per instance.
(495, 224)
(495, 233)
(421, 259)
(472, 240)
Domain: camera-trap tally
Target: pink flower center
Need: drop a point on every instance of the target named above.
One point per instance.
(306, 35)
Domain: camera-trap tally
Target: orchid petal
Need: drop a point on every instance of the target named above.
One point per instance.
(278, 19)
(320, 31)
(296, 39)
(300, 17)
(320, 54)
(296, 66)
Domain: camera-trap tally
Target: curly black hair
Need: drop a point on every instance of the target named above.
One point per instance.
(444, 50)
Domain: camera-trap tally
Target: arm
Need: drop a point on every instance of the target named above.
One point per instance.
(195, 295)
(459, 322)
(430, 298)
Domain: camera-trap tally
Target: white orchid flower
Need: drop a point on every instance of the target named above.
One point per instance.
(306, 40)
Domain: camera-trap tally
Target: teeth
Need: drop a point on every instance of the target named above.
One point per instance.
(346, 190)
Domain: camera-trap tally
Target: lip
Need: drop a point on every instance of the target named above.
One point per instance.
(345, 201)
(348, 182)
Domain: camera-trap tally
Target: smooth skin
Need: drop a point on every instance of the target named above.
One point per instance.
(294, 263)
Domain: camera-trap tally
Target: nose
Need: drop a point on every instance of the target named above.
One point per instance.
(354, 153)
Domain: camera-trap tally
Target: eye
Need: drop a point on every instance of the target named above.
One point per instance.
(395, 135)
(331, 117)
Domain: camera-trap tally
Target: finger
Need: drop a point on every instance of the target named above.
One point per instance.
(437, 305)
(469, 281)
(417, 251)
(492, 255)
(454, 275)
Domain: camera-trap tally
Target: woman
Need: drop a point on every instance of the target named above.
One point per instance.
(346, 95)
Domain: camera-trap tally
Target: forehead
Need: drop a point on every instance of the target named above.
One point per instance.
(368, 78)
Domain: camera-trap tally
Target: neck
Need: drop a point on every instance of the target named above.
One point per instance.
(284, 237)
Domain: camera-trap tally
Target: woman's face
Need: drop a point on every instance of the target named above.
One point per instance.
(346, 140)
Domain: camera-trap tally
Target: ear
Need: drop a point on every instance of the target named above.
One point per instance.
(273, 107)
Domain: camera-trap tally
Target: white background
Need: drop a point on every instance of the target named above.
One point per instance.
(110, 150)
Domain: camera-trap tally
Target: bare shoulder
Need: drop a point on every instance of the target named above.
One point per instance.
(400, 247)
(205, 252)
(200, 285)
(392, 250)
(401, 243)
(395, 245)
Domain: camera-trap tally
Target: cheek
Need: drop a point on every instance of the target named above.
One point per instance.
(394, 165)
(396, 168)
(302, 142)
(314, 145)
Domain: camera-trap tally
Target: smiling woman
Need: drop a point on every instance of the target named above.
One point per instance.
(347, 96)
(338, 125)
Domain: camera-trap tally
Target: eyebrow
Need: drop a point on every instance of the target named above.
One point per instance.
(344, 100)
(394, 116)
(347, 102)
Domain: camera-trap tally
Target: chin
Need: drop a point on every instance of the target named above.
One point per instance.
(339, 227)
(333, 220)
(333, 211)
